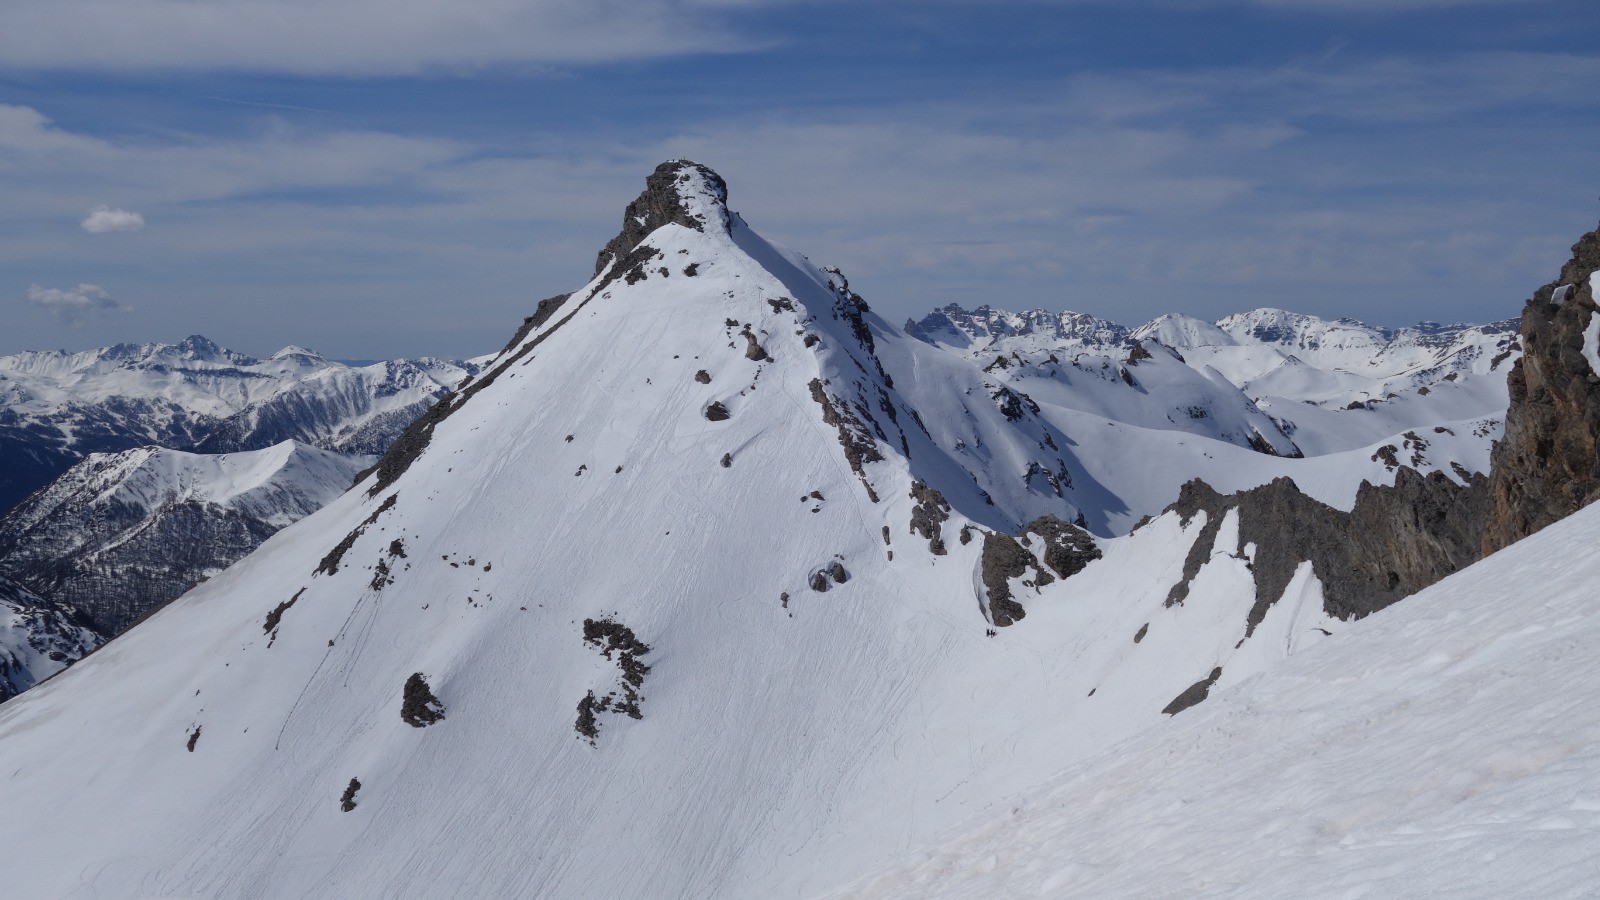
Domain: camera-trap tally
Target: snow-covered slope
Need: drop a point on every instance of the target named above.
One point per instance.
(1342, 384)
(699, 572)
(56, 407)
(1446, 747)
(121, 533)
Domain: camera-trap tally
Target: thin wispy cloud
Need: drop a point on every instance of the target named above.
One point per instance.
(349, 37)
(1351, 162)
(74, 306)
(104, 219)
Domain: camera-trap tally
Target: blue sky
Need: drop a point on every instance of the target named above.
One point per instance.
(404, 177)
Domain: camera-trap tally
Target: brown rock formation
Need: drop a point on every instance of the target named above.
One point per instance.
(1547, 466)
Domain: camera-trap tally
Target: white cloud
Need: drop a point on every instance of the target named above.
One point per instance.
(74, 305)
(102, 219)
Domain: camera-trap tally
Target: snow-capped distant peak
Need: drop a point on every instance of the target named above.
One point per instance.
(1181, 331)
(956, 326)
(1291, 329)
(293, 351)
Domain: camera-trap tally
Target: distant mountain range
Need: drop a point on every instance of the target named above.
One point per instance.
(57, 407)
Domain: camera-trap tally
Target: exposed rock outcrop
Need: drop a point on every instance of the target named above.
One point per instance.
(1003, 560)
(1067, 547)
(1193, 694)
(419, 708)
(1547, 466)
(620, 645)
(928, 517)
(666, 199)
(1394, 542)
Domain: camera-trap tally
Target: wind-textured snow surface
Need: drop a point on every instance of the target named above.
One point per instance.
(706, 465)
(1445, 747)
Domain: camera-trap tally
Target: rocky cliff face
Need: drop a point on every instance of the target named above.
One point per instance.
(1394, 542)
(1547, 466)
(664, 202)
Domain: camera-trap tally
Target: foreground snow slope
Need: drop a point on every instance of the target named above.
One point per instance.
(1446, 747)
(692, 447)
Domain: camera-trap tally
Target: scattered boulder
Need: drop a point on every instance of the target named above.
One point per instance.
(703, 376)
(823, 579)
(194, 738)
(716, 412)
(347, 800)
(1193, 694)
(419, 708)
(753, 350)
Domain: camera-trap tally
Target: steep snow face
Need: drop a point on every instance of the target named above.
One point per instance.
(1438, 748)
(119, 534)
(37, 639)
(689, 593)
(55, 407)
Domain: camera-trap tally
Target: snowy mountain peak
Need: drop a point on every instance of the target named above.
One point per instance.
(1179, 330)
(978, 328)
(296, 351)
(678, 192)
(1292, 329)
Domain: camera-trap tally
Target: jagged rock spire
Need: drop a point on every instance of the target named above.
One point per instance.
(678, 191)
